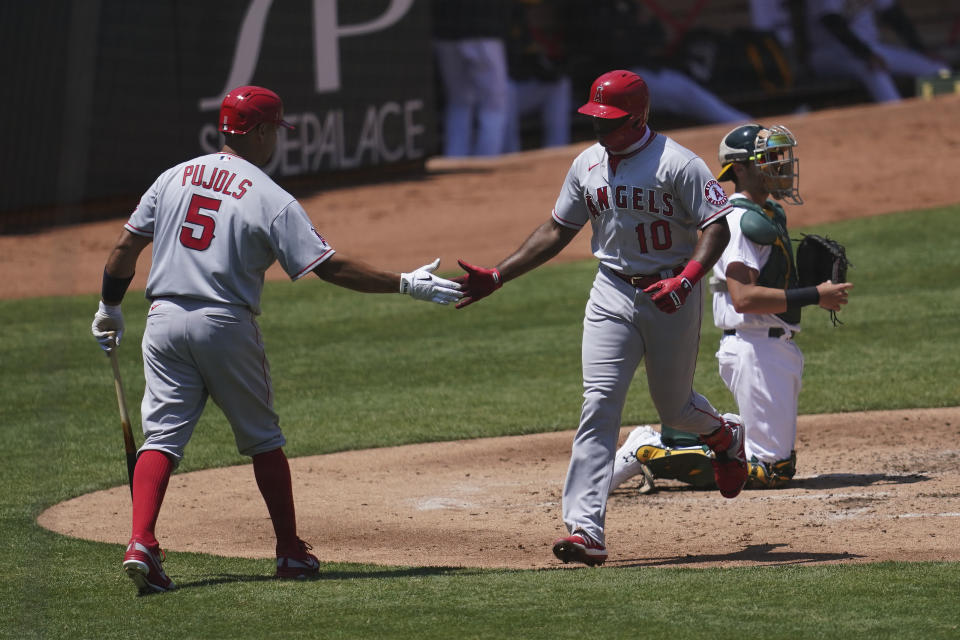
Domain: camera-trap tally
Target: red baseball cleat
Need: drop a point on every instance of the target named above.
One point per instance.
(142, 565)
(580, 548)
(730, 467)
(297, 563)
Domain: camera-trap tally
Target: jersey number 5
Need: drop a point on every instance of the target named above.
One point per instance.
(199, 221)
(659, 236)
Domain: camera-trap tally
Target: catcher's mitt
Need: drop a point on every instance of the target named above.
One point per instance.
(820, 259)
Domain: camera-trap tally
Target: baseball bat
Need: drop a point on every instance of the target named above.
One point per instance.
(128, 444)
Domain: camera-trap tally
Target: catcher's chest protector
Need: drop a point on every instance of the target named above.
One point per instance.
(767, 225)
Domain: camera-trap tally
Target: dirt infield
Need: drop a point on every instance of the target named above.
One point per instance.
(861, 495)
(495, 502)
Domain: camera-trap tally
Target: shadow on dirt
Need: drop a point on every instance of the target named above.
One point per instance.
(815, 483)
(763, 554)
(839, 480)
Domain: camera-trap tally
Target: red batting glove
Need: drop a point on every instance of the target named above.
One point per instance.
(669, 294)
(477, 283)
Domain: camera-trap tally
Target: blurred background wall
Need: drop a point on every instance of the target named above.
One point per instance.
(100, 96)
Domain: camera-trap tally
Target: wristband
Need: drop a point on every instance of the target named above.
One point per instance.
(693, 272)
(113, 289)
(802, 297)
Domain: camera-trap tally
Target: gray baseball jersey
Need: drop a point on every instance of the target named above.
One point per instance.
(217, 222)
(645, 208)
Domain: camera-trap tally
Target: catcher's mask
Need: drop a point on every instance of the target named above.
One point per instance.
(619, 104)
(772, 151)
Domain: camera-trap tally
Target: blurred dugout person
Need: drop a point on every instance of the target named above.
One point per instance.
(469, 43)
(844, 40)
(774, 16)
(784, 19)
(625, 34)
(539, 81)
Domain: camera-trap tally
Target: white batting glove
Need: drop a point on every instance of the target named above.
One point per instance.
(108, 326)
(423, 285)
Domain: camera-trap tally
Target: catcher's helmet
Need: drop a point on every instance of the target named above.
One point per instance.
(771, 150)
(619, 95)
(737, 146)
(246, 107)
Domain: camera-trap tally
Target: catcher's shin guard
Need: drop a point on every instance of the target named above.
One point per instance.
(688, 464)
(775, 475)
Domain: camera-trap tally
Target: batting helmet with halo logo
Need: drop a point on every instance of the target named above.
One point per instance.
(620, 96)
(245, 107)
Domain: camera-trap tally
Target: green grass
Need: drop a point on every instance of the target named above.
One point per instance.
(355, 371)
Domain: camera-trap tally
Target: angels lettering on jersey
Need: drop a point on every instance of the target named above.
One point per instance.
(625, 197)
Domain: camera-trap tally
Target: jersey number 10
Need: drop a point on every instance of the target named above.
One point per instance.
(659, 236)
(199, 221)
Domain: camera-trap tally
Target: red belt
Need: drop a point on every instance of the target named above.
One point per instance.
(642, 281)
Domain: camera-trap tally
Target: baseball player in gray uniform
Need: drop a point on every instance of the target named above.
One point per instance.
(757, 303)
(217, 222)
(646, 198)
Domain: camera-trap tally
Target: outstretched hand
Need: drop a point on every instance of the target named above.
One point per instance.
(669, 294)
(478, 283)
(423, 285)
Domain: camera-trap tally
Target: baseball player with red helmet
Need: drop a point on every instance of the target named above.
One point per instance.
(217, 222)
(646, 198)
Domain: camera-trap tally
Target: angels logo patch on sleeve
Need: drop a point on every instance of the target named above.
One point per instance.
(715, 194)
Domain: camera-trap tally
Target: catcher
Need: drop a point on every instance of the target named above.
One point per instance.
(758, 293)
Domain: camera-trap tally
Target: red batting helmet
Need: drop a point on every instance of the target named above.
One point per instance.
(616, 94)
(246, 107)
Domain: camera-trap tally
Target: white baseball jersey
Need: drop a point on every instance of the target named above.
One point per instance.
(218, 222)
(763, 372)
(645, 216)
(754, 256)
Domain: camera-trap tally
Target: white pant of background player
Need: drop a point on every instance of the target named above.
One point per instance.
(621, 328)
(837, 61)
(476, 91)
(764, 375)
(552, 101)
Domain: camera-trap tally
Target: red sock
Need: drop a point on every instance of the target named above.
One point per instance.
(150, 478)
(273, 478)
